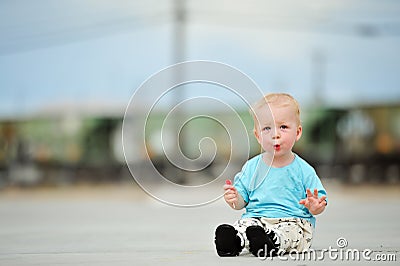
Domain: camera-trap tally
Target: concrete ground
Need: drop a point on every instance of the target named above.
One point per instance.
(121, 225)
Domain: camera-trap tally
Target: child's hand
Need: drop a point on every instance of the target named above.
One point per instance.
(314, 204)
(230, 194)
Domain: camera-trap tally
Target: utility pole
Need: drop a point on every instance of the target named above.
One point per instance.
(179, 54)
(318, 77)
(179, 35)
(179, 45)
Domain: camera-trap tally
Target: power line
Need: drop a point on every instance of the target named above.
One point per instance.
(44, 33)
(44, 38)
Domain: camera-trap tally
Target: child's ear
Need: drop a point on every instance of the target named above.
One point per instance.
(257, 136)
(299, 132)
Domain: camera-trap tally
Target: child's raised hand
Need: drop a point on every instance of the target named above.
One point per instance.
(314, 204)
(230, 194)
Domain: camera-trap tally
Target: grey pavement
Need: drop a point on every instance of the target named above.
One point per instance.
(121, 225)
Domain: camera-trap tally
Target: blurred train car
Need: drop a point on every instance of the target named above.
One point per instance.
(354, 145)
(66, 147)
(58, 150)
(357, 144)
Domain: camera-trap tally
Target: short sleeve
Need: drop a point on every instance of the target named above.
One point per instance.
(240, 183)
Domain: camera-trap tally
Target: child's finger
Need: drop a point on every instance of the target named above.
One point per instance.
(322, 199)
(229, 187)
(309, 194)
(315, 193)
(229, 192)
(231, 198)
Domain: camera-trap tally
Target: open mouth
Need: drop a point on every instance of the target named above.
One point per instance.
(277, 147)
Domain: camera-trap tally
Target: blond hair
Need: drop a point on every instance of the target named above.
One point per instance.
(279, 99)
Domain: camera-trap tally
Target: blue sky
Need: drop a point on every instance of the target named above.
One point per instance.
(66, 53)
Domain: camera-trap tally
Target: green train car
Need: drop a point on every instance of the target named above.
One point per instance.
(357, 144)
(57, 150)
(353, 145)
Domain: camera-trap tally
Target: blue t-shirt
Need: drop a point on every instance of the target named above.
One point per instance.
(275, 192)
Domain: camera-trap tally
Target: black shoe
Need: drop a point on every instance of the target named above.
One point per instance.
(227, 242)
(260, 244)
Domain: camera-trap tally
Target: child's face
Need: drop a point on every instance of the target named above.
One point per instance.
(277, 131)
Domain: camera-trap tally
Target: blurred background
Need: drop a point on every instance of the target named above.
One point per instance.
(69, 68)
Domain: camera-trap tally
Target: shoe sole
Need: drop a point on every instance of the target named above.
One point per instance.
(260, 245)
(227, 241)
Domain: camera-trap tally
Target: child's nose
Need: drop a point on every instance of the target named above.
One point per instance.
(275, 134)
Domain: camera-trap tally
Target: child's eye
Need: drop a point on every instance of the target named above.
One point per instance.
(266, 129)
(284, 127)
